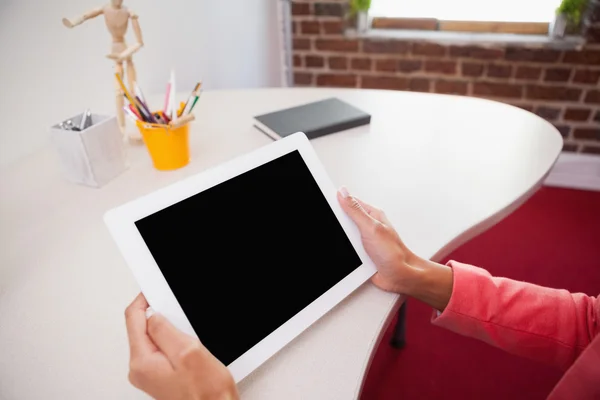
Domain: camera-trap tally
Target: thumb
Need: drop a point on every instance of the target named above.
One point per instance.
(354, 209)
(171, 341)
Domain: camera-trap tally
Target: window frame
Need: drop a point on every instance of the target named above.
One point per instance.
(433, 24)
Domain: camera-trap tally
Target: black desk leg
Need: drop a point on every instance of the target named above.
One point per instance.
(399, 337)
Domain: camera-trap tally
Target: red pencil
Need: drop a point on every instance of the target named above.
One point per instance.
(135, 111)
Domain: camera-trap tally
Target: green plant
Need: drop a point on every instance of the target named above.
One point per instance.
(572, 9)
(360, 5)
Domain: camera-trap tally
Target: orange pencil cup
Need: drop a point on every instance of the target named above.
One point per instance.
(169, 147)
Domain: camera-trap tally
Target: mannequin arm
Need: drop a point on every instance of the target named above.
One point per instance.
(70, 23)
(137, 31)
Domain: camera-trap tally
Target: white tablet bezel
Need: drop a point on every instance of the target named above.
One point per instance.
(121, 224)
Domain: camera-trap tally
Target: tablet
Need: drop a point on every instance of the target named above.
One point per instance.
(247, 255)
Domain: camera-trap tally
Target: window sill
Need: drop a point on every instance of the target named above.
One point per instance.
(544, 41)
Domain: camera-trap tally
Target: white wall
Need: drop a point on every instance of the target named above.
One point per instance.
(49, 73)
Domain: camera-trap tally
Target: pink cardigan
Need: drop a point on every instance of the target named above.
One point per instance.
(549, 325)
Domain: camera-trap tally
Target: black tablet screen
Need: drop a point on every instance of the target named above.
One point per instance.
(245, 256)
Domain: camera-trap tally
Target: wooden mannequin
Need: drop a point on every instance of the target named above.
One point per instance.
(117, 18)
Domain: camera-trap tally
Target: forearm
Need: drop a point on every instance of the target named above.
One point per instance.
(130, 51)
(137, 30)
(82, 18)
(548, 325)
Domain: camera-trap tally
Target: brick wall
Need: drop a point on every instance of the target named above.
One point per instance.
(561, 86)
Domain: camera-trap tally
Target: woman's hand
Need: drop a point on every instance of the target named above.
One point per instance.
(393, 259)
(398, 269)
(168, 364)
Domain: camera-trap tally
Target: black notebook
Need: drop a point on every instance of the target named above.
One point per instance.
(314, 119)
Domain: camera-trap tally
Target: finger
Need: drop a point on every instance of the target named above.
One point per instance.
(135, 320)
(170, 340)
(372, 211)
(355, 210)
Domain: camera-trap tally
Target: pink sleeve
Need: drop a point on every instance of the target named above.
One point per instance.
(549, 325)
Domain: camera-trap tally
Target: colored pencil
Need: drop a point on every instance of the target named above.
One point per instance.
(195, 101)
(130, 114)
(138, 93)
(190, 99)
(135, 111)
(125, 91)
(145, 111)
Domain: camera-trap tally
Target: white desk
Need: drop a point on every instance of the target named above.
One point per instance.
(444, 168)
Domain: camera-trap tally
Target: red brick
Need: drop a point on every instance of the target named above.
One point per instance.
(499, 71)
(336, 80)
(362, 64)
(441, 66)
(429, 49)
(343, 45)
(577, 114)
(301, 44)
(386, 65)
(563, 129)
(408, 66)
(338, 63)
(451, 87)
(592, 34)
(586, 76)
(593, 11)
(490, 89)
(590, 150)
(548, 113)
(332, 27)
(569, 147)
(587, 56)
(302, 78)
(297, 60)
(310, 27)
(334, 9)
(482, 53)
(587, 133)
(386, 46)
(552, 93)
(294, 27)
(314, 61)
(384, 82)
(532, 55)
(557, 74)
(300, 8)
(593, 96)
(530, 73)
(471, 69)
(418, 85)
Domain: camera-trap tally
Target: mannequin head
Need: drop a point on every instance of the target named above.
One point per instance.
(116, 3)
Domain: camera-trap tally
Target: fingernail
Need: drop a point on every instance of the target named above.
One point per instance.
(149, 312)
(344, 192)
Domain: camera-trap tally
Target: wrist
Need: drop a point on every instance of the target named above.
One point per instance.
(429, 282)
(414, 268)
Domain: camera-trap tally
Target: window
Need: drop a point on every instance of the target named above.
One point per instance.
(507, 16)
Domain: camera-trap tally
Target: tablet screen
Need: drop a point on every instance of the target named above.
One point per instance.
(245, 256)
